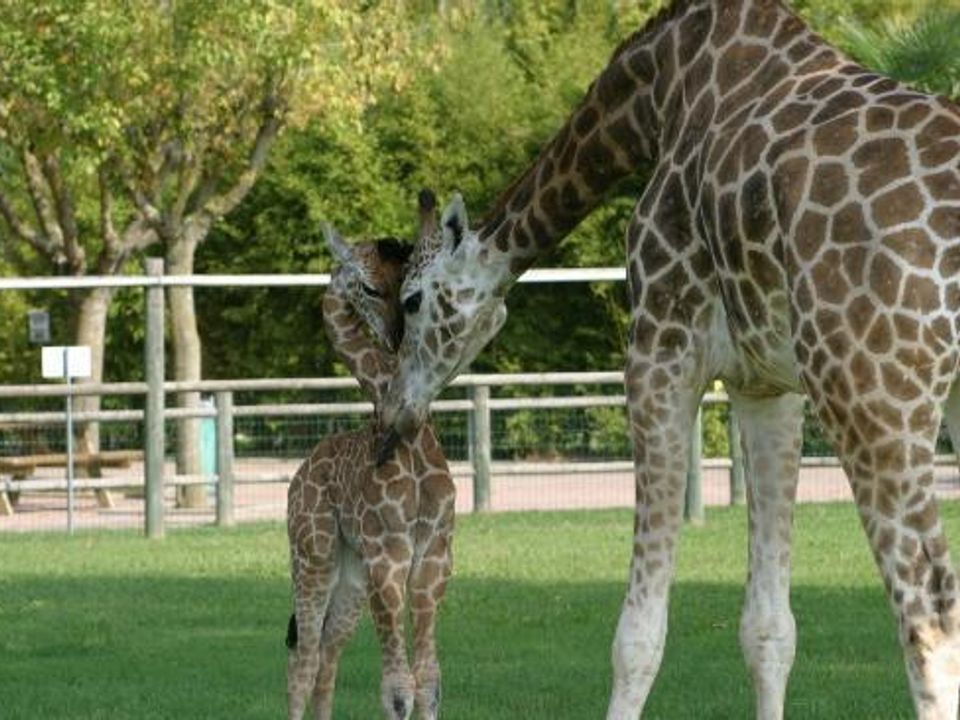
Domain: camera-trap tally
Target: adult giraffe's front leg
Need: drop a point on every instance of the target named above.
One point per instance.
(771, 431)
(674, 308)
(662, 412)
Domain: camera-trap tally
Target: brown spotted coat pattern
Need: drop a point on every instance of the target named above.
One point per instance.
(360, 533)
(800, 233)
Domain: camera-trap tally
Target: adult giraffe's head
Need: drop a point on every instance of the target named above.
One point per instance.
(452, 300)
(453, 294)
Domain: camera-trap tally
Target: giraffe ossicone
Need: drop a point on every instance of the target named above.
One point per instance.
(362, 531)
(800, 232)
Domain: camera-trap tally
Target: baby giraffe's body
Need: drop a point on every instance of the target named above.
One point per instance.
(358, 531)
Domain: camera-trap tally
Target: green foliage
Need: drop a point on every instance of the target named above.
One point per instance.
(124, 124)
(716, 438)
(93, 72)
(471, 113)
(828, 17)
(17, 361)
(608, 433)
(924, 53)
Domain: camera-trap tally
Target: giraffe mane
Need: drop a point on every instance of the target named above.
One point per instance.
(390, 249)
(665, 14)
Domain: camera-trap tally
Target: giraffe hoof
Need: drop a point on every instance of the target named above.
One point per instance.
(402, 707)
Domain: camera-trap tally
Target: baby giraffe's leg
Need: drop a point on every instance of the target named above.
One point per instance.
(343, 614)
(388, 566)
(428, 580)
(313, 580)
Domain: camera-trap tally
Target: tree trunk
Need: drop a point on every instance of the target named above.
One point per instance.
(90, 309)
(186, 363)
(90, 328)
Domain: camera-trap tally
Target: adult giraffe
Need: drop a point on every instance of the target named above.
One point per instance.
(801, 232)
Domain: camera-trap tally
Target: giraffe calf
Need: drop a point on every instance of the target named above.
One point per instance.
(362, 531)
(356, 532)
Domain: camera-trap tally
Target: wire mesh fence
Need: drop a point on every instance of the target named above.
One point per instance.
(548, 442)
(542, 458)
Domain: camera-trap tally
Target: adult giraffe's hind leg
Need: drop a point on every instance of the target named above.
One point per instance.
(662, 411)
(771, 431)
(886, 440)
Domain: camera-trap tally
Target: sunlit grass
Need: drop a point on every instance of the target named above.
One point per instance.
(109, 625)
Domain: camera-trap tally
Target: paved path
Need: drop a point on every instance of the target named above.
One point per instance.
(268, 501)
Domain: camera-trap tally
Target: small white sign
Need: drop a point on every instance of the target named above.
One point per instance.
(59, 360)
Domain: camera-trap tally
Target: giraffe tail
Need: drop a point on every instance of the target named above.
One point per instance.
(292, 633)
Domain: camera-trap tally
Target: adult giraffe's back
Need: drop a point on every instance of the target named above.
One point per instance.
(801, 231)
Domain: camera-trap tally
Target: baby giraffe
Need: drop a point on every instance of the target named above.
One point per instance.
(361, 531)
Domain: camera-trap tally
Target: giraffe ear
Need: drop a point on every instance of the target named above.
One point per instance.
(427, 203)
(339, 247)
(454, 222)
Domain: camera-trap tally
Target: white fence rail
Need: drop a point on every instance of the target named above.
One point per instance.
(155, 389)
(478, 405)
(545, 275)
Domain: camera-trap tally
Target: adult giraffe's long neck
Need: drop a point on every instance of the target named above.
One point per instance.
(367, 362)
(611, 134)
(643, 104)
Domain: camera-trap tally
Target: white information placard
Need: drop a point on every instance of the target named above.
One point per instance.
(59, 361)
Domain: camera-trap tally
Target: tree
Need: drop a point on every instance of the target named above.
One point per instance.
(924, 53)
(507, 80)
(57, 191)
(140, 124)
(830, 17)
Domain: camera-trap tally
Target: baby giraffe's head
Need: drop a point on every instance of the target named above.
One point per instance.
(370, 275)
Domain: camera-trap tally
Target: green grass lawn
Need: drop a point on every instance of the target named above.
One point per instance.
(109, 625)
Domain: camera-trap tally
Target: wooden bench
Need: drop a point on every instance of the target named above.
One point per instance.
(23, 467)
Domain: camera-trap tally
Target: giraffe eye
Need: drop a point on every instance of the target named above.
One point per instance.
(371, 291)
(412, 303)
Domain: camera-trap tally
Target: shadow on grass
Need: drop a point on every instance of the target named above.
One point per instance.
(146, 647)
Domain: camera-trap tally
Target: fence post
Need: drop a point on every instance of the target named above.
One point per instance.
(738, 488)
(693, 502)
(225, 458)
(153, 415)
(480, 448)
